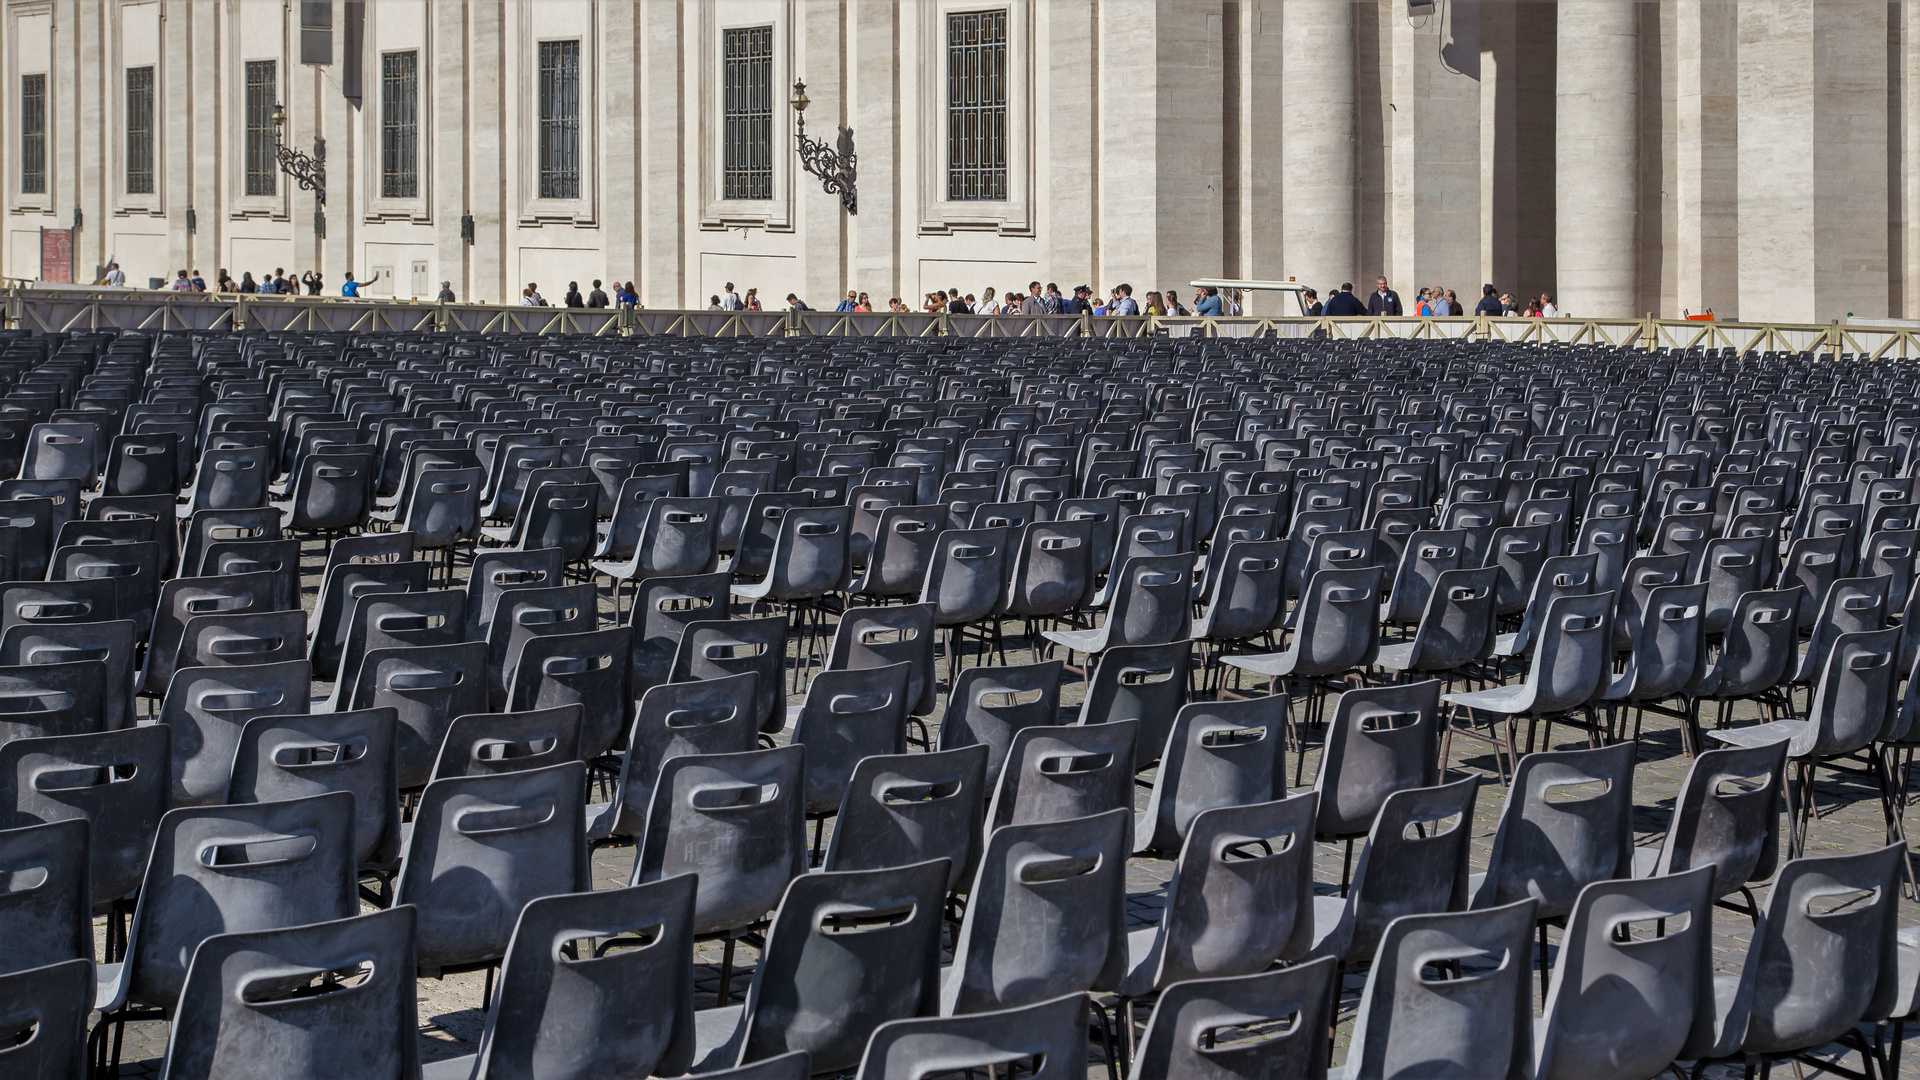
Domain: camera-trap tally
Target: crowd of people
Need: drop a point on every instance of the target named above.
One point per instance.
(1433, 301)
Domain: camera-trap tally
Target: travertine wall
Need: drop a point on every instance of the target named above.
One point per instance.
(1627, 156)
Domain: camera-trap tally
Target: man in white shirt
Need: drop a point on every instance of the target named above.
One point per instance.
(730, 300)
(114, 277)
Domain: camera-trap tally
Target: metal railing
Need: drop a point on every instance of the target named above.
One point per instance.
(51, 309)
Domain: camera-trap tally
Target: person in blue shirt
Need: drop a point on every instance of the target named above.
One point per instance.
(1124, 304)
(1209, 304)
(350, 287)
(851, 303)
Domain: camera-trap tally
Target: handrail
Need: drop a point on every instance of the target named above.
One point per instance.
(83, 308)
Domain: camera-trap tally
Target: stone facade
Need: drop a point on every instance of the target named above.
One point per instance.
(1753, 157)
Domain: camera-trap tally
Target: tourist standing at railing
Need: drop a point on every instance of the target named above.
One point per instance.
(752, 302)
(1344, 305)
(1175, 307)
(530, 296)
(1032, 304)
(794, 303)
(114, 277)
(730, 300)
(350, 287)
(446, 292)
(1052, 303)
(1489, 303)
(1126, 304)
(1423, 304)
(1384, 301)
(573, 299)
(1547, 310)
(852, 300)
(1208, 304)
(598, 297)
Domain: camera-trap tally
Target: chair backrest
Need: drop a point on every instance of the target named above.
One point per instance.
(1335, 622)
(496, 573)
(1480, 1025)
(715, 648)
(1669, 643)
(110, 643)
(1853, 703)
(1727, 816)
(290, 757)
(1812, 564)
(1414, 862)
(1642, 575)
(208, 707)
(443, 506)
(711, 716)
(1050, 1036)
(1054, 773)
(247, 638)
(1758, 648)
(481, 848)
(1567, 822)
(1152, 600)
(116, 781)
(1429, 553)
(392, 620)
(1219, 753)
(738, 821)
(428, 685)
(623, 1009)
(1241, 895)
(848, 715)
(663, 608)
(526, 614)
(1458, 624)
(680, 536)
(249, 1006)
(1382, 739)
(1636, 961)
(988, 705)
(232, 869)
(484, 744)
(847, 952)
(870, 637)
(1245, 594)
(52, 1003)
(134, 570)
(46, 915)
(809, 557)
(967, 574)
(1851, 606)
(903, 548)
(1518, 553)
(1045, 915)
(1175, 1046)
(211, 526)
(186, 598)
(1147, 683)
(1731, 567)
(340, 590)
(1822, 953)
(589, 669)
(1572, 657)
(902, 809)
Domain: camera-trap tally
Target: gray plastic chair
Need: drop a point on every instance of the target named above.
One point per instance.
(1456, 628)
(134, 570)
(496, 573)
(186, 598)
(208, 707)
(1414, 863)
(1429, 553)
(870, 637)
(1668, 653)
(249, 638)
(1642, 575)
(1479, 1025)
(1567, 823)
(110, 643)
(49, 1004)
(1757, 652)
(291, 757)
(1382, 739)
(1147, 683)
(1045, 916)
(1152, 604)
(1241, 898)
(625, 1009)
(1726, 816)
(1219, 753)
(393, 620)
(230, 479)
(1333, 634)
(1054, 773)
(339, 591)
(442, 508)
(525, 614)
(1519, 552)
(715, 648)
(966, 581)
(118, 782)
(487, 744)
(208, 527)
(46, 916)
(809, 557)
(1812, 565)
(902, 809)
(845, 717)
(1245, 595)
(1051, 571)
(226, 870)
(663, 608)
(427, 685)
(1809, 976)
(588, 669)
(1050, 1034)
(281, 558)
(847, 952)
(1621, 1006)
(480, 848)
(737, 820)
(332, 491)
(712, 716)
(1571, 664)
(1731, 568)
(678, 537)
(1175, 1045)
(903, 549)
(248, 1008)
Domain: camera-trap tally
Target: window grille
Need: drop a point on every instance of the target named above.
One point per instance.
(560, 119)
(33, 134)
(977, 106)
(400, 125)
(140, 131)
(263, 93)
(748, 113)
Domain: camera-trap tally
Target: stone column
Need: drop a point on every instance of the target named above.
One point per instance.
(1318, 174)
(1597, 158)
(447, 25)
(664, 130)
(1708, 192)
(876, 124)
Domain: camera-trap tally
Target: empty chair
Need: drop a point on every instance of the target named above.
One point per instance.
(291, 757)
(481, 847)
(339, 591)
(1175, 1045)
(869, 637)
(711, 716)
(496, 573)
(46, 915)
(627, 1010)
(1812, 565)
(184, 598)
(1731, 568)
(146, 464)
(1809, 975)
(1218, 754)
(1045, 916)
(110, 643)
(1241, 898)
(525, 614)
(1457, 626)
(392, 620)
(427, 686)
(242, 1011)
(1333, 633)
(48, 1006)
(134, 570)
(259, 637)
(965, 581)
(442, 508)
(1725, 816)
(1567, 822)
(62, 452)
(208, 707)
(483, 744)
(679, 537)
(903, 548)
(877, 931)
(902, 809)
(1618, 1005)
(1411, 1024)
(1414, 862)
(1054, 773)
(1562, 575)
(1518, 552)
(331, 492)
(663, 608)
(1381, 739)
(230, 479)
(1051, 1034)
(1571, 665)
(588, 669)
(1052, 569)
(1143, 683)
(719, 647)
(1757, 654)
(848, 716)
(1429, 554)
(1851, 606)
(1668, 647)
(809, 556)
(1245, 595)
(737, 820)
(118, 782)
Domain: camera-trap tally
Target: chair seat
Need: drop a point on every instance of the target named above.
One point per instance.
(455, 1068)
(1276, 665)
(1504, 644)
(716, 1037)
(1760, 734)
(1078, 640)
(1329, 916)
(108, 991)
(1508, 700)
(754, 590)
(499, 534)
(617, 570)
(1646, 860)
(1396, 657)
(1141, 960)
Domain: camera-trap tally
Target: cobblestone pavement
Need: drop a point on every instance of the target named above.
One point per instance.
(450, 1010)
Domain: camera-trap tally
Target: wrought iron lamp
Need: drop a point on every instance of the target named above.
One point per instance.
(310, 172)
(833, 165)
